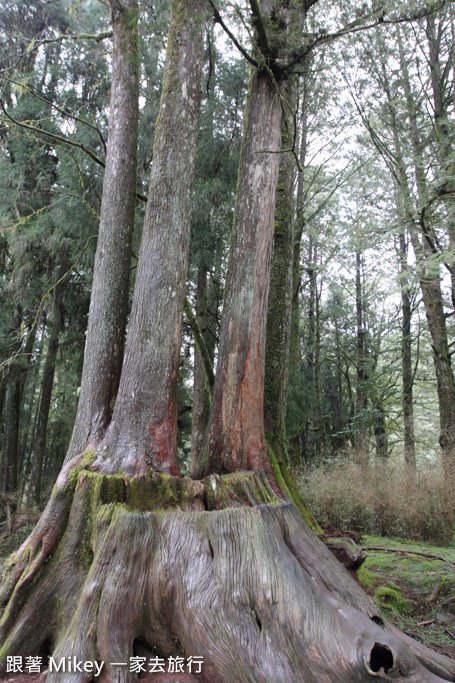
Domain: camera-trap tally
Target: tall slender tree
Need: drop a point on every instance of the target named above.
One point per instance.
(109, 301)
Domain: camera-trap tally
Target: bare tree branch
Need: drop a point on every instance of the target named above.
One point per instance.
(64, 112)
(97, 37)
(62, 140)
(219, 20)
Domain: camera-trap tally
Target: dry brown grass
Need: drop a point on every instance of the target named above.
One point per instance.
(383, 498)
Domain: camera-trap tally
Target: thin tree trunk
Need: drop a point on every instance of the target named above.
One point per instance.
(11, 434)
(361, 438)
(46, 395)
(309, 365)
(201, 398)
(406, 356)
(142, 434)
(29, 427)
(320, 422)
(380, 432)
(15, 382)
(430, 283)
(440, 85)
(32, 391)
(109, 300)
(338, 440)
(2, 402)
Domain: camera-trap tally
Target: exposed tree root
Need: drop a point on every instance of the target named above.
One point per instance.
(402, 551)
(220, 569)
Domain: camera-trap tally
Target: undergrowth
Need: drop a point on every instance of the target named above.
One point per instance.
(383, 498)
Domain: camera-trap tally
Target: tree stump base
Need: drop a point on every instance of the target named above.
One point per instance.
(221, 569)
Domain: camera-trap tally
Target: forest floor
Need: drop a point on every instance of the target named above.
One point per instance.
(414, 583)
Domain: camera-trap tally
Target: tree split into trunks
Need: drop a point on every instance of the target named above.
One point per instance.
(142, 433)
(219, 568)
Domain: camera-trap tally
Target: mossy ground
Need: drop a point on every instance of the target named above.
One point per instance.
(412, 589)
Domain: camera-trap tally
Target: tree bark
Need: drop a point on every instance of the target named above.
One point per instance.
(296, 450)
(279, 305)
(109, 300)
(142, 433)
(236, 432)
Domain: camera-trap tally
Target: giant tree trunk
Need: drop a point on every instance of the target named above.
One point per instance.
(237, 435)
(142, 433)
(279, 312)
(109, 300)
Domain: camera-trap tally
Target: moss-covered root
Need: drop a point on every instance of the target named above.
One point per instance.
(243, 584)
(287, 484)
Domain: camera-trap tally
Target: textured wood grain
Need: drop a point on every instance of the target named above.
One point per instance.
(219, 568)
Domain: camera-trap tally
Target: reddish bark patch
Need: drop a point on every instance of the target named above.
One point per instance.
(163, 444)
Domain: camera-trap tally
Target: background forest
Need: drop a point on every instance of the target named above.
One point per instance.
(369, 190)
